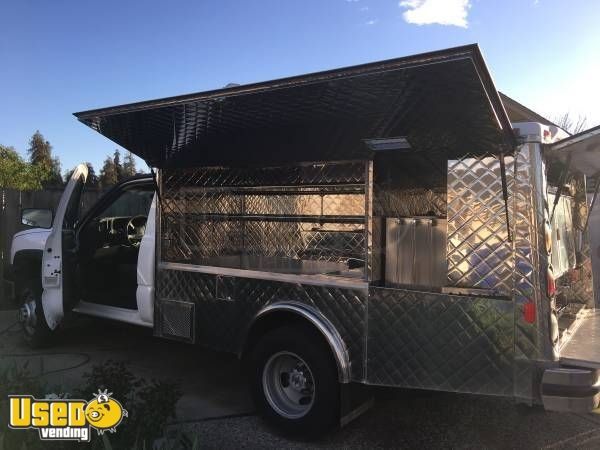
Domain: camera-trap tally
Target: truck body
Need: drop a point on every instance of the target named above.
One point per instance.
(382, 224)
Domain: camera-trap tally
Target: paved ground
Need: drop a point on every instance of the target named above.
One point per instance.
(214, 390)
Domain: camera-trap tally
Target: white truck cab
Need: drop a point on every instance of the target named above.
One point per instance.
(100, 263)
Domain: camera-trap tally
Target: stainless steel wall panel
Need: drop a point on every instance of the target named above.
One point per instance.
(416, 252)
(435, 341)
(479, 254)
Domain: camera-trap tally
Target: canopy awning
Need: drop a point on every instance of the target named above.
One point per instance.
(580, 152)
(443, 101)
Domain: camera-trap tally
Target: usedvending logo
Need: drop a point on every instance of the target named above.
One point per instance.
(66, 419)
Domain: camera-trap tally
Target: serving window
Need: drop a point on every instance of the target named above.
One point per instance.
(302, 219)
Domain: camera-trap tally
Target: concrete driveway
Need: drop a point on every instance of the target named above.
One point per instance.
(216, 405)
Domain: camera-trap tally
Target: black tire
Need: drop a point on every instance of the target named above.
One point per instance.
(309, 345)
(36, 332)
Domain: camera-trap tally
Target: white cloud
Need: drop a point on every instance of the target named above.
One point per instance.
(371, 22)
(442, 12)
(364, 8)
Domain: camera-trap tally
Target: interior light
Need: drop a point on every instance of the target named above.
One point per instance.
(395, 143)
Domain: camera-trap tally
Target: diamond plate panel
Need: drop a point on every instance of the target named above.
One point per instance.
(225, 306)
(342, 172)
(479, 254)
(435, 341)
(395, 202)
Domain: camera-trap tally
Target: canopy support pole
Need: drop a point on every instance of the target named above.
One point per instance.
(596, 189)
(505, 194)
(561, 184)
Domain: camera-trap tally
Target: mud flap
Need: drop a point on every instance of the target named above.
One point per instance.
(356, 399)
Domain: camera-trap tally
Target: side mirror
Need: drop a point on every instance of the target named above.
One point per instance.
(38, 218)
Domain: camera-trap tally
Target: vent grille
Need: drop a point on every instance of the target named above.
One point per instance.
(177, 319)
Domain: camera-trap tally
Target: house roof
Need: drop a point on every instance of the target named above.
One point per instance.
(518, 112)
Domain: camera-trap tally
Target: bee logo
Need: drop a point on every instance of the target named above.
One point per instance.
(104, 412)
(58, 418)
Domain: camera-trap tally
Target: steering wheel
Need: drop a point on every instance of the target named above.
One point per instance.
(136, 227)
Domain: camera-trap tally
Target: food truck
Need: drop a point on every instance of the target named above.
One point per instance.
(378, 225)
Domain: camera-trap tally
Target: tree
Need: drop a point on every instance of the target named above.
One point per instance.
(113, 171)
(15, 173)
(129, 165)
(117, 164)
(108, 173)
(40, 154)
(567, 123)
(40, 150)
(92, 179)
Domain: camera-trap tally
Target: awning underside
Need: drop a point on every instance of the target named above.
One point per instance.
(579, 152)
(442, 102)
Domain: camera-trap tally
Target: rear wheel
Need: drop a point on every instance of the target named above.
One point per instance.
(295, 381)
(31, 315)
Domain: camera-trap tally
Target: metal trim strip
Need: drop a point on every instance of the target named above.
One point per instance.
(314, 280)
(325, 327)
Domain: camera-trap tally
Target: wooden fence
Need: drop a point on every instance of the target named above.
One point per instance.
(11, 204)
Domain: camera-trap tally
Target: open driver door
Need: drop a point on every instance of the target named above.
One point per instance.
(59, 258)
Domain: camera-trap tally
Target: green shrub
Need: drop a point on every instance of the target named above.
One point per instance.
(150, 404)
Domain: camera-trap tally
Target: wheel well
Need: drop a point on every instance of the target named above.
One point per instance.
(284, 318)
(27, 265)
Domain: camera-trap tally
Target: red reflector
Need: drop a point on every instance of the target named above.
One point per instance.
(529, 312)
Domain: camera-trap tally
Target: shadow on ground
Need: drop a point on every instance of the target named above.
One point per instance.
(216, 406)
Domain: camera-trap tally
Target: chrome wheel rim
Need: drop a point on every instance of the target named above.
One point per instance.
(289, 385)
(27, 316)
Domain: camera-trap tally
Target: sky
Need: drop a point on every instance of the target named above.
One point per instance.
(58, 57)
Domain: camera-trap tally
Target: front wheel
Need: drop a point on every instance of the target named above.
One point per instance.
(31, 316)
(295, 381)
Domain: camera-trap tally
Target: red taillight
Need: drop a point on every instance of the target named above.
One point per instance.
(529, 312)
(551, 283)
